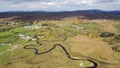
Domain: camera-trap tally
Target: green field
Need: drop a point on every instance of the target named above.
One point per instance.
(82, 40)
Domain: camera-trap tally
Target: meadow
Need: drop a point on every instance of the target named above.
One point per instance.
(97, 40)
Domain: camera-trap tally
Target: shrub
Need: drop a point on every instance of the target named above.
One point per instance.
(107, 34)
(117, 37)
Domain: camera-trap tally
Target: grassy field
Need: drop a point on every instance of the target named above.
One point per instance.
(81, 38)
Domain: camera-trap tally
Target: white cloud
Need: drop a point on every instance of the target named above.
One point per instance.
(86, 1)
(14, 6)
(59, 4)
(36, 5)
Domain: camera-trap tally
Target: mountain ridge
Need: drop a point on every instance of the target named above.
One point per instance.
(44, 15)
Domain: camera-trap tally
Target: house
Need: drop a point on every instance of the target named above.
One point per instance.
(22, 36)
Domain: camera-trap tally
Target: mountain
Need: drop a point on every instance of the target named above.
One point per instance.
(45, 15)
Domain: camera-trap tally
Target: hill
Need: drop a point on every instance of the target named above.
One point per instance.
(42, 15)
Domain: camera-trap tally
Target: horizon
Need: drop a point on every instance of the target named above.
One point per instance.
(94, 10)
(59, 5)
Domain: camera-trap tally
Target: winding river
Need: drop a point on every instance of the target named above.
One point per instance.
(95, 65)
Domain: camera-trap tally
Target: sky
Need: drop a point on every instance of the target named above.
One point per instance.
(58, 5)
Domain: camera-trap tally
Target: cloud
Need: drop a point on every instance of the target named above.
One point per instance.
(22, 1)
(82, 1)
(105, 1)
(59, 5)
